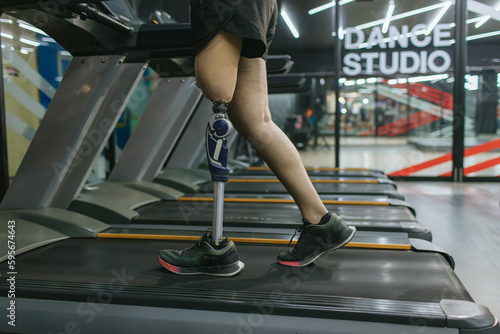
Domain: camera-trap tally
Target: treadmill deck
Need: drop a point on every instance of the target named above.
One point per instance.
(373, 274)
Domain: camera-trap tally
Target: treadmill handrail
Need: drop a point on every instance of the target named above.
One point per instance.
(17, 3)
(86, 11)
(286, 81)
(279, 64)
(140, 41)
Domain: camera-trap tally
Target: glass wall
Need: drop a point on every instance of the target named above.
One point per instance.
(29, 86)
(396, 94)
(397, 86)
(482, 118)
(33, 66)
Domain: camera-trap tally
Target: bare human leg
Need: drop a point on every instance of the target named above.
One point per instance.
(249, 112)
(321, 232)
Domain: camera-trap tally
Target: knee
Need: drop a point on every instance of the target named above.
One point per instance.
(257, 133)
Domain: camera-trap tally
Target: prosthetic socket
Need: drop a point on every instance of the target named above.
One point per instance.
(219, 127)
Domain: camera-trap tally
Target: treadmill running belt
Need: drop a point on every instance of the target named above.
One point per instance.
(270, 214)
(375, 274)
(322, 188)
(314, 172)
(361, 291)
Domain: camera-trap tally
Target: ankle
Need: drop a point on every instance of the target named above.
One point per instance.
(222, 244)
(320, 219)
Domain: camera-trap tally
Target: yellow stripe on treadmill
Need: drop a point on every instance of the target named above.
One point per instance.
(279, 201)
(313, 181)
(338, 169)
(242, 240)
(320, 169)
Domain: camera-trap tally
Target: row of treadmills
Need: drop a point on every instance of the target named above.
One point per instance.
(86, 251)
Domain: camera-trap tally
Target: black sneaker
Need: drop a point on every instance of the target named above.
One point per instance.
(315, 240)
(203, 258)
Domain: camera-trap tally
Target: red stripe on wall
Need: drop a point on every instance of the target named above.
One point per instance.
(489, 146)
(480, 166)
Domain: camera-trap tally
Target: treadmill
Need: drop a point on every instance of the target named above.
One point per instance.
(117, 286)
(190, 180)
(104, 285)
(263, 215)
(315, 171)
(162, 130)
(182, 171)
(128, 197)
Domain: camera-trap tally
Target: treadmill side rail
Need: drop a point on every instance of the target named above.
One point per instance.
(426, 246)
(185, 180)
(355, 314)
(417, 231)
(155, 320)
(111, 202)
(34, 236)
(469, 317)
(71, 224)
(398, 202)
(37, 228)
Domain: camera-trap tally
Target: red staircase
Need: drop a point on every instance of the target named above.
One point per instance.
(404, 124)
(423, 92)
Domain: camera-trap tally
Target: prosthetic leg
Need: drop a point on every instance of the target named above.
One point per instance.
(210, 255)
(218, 128)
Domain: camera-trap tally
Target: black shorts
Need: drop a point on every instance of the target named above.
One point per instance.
(254, 20)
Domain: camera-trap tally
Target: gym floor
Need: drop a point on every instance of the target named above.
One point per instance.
(465, 221)
(464, 218)
(389, 155)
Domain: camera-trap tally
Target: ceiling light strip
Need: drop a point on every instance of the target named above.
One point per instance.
(289, 23)
(326, 6)
(321, 8)
(388, 18)
(438, 17)
(476, 19)
(366, 45)
(29, 42)
(5, 35)
(482, 21)
(428, 78)
(31, 28)
(402, 15)
(479, 36)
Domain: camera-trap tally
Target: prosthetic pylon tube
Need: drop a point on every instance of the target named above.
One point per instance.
(218, 128)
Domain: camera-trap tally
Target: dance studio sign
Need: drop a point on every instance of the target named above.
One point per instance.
(402, 61)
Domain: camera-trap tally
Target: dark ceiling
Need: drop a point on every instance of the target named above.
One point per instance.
(313, 50)
(315, 30)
